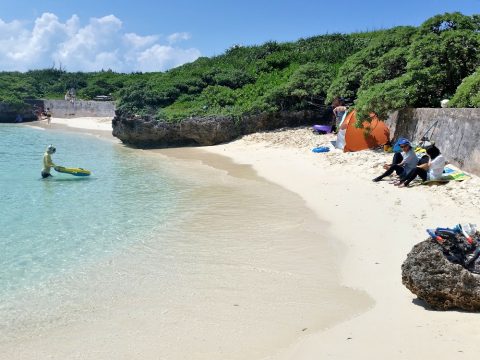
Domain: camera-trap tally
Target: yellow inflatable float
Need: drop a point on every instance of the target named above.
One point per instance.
(72, 171)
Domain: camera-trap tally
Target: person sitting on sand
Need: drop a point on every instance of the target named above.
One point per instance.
(397, 155)
(432, 169)
(47, 161)
(408, 163)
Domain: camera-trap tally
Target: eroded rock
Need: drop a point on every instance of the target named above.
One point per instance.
(148, 132)
(440, 283)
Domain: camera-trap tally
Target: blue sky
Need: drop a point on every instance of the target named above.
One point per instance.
(141, 35)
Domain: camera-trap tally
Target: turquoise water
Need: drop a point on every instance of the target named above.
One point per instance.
(52, 226)
(153, 257)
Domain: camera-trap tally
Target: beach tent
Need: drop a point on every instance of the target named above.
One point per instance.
(373, 134)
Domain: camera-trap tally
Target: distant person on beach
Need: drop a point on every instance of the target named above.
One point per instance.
(47, 161)
(430, 168)
(48, 114)
(408, 163)
(339, 110)
(19, 118)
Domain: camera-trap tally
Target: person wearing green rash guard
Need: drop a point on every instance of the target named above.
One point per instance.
(47, 161)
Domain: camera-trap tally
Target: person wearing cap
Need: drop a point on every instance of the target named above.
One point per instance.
(408, 163)
(47, 161)
(397, 154)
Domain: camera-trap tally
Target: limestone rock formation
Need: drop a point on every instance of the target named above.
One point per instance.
(147, 132)
(440, 283)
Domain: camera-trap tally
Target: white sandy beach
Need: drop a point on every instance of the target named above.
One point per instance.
(88, 123)
(98, 126)
(379, 224)
(375, 225)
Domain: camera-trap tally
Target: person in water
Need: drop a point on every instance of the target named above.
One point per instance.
(47, 161)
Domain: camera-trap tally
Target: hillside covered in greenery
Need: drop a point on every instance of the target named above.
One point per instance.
(379, 71)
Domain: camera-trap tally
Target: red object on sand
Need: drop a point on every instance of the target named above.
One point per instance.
(373, 134)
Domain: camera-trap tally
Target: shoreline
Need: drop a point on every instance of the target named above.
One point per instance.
(374, 226)
(279, 273)
(100, 127)
(378, 224)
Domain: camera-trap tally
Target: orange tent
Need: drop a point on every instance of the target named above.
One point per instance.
(373, 134)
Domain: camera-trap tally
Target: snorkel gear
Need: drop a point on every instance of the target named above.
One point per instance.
(51, 149)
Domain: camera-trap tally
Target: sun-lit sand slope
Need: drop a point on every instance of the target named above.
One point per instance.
(379, 223)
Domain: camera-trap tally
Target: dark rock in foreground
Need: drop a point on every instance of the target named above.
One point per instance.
(148, 132)
(440, 283)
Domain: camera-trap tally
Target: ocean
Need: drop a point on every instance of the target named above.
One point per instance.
(153, 257)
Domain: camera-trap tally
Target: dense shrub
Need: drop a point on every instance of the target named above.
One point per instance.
(380, 70)
(351, 74)
(443, 51)
(468, 93)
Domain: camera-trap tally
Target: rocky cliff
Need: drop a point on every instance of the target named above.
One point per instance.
(148, 132)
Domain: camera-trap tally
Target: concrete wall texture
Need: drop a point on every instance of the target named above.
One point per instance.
(9, 113)
(456, 132)
(67, 109)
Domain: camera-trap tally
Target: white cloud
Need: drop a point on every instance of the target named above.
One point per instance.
(138, 41)
(179, 36)
(100, 44)
(164, 57)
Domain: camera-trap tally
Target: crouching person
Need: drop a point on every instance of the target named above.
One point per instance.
(429, 169)
(408, 162)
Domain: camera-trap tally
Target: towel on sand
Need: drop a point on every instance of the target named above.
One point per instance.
(449, 174)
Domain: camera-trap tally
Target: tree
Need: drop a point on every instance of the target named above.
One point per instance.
(305, 88)
(445, 50)
(468, 93)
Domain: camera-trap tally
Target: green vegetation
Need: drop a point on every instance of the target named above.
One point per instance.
(468, 93)
(380, 71)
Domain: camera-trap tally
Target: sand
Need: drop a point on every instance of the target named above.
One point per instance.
(98, 126)
(375, 225)
(378, 223)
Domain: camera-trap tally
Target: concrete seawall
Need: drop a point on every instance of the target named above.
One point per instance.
(59, 108)
(67, 109)
(456, 132)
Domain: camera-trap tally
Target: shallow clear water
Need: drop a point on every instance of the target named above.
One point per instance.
(53, 225)
(153, 257)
